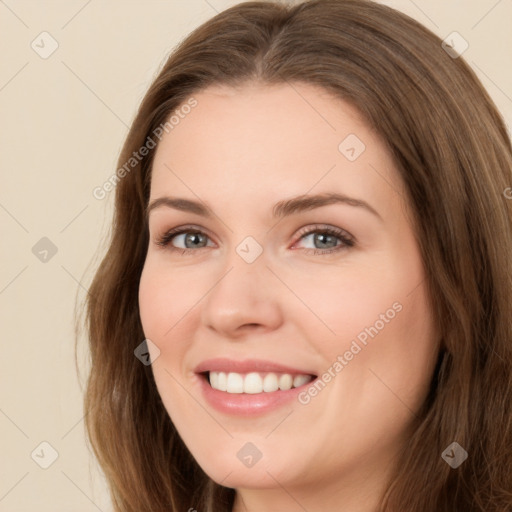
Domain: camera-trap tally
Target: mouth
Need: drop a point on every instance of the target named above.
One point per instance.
(250, 387)
(255, 382)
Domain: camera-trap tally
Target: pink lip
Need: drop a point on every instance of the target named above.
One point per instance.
(244, 404)
(247, 366)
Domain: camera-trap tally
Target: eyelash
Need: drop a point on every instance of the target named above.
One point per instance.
(346, 239)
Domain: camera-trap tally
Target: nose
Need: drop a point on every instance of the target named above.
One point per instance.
(245, 298)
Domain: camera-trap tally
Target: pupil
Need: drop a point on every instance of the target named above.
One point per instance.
(321, 239)
(192, 237)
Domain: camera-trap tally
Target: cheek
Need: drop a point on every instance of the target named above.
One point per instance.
(151, 303)
(157, 303)
(387, 338)
(164, 298)
(169, 305)
(378, 319)
(161, 306)
(405, 356)
(347, 305)
(379, 296)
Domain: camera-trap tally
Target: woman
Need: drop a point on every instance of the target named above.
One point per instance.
(311, 246)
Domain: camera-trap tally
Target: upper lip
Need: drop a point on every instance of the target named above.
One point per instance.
(247, 366)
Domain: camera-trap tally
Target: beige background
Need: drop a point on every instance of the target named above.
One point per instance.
(63, 121)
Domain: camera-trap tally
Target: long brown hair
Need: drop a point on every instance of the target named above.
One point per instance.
(451, 148)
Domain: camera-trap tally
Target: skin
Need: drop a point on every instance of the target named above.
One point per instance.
(240, 151)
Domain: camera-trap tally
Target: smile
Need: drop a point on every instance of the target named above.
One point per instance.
(250, 387)
(256, 382)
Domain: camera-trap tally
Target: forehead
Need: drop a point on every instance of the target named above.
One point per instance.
(278, 116)
(280, 140)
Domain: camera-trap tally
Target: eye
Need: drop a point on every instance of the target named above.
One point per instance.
(325, 239)
(328, 238)
(191, 237)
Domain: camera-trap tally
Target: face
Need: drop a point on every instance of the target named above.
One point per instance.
(257, 290)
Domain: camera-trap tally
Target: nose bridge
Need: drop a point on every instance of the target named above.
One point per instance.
(245, 272)
(243, 293)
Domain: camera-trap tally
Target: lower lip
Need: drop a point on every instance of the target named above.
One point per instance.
(246, 404)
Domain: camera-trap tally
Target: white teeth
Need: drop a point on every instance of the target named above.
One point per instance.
(214, 380)
(270, 383)
(285, 381)
(254, 382)
(235, 383)
(222, 383)
(300, 380)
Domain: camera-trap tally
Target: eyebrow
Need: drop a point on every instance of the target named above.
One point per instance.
(281, 209)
